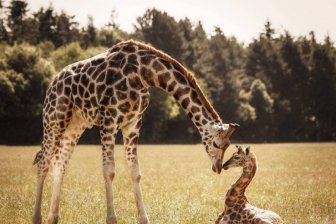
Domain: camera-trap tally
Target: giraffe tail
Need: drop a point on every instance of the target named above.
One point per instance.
(39, 156)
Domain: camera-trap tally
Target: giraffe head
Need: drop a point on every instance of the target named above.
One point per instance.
(241, 158)
(217, 142)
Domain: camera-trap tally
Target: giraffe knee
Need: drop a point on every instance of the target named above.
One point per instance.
(136, 177)
(109, 172)
(111, 175)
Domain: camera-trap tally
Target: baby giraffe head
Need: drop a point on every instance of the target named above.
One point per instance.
(216, 142)
(241, 158)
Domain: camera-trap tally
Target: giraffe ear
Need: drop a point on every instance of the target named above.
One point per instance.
(247, 150)
(239, 148)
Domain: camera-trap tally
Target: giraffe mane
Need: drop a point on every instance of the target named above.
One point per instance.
(191, 78)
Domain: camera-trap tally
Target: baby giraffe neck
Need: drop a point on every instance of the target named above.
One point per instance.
(236, 194)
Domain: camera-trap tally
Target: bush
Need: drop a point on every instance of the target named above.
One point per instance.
(66, 55)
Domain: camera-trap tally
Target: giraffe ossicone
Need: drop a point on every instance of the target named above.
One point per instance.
(237, 207)
(110, 90)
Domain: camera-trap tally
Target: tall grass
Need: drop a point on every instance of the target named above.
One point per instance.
(298, 181)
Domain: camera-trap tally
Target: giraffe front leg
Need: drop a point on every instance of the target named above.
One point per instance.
(136, 176)
(107, 134)
(109, 172)
(131, 136)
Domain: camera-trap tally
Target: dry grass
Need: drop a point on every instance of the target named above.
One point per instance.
(295, 180)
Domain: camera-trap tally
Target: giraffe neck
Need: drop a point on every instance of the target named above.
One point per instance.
(236, 194)
(160, 70)
(190, 99)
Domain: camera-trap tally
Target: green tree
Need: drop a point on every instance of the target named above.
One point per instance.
(109, 36)
(217, 65)
(31, 33)
(263, 104)
(15, 19)
(46, 48)
(199, 41)
(36, 71)
(269, 31)
(264, 62)
(90, 34)
(66, 30)
(188, 55)
(3, 31)
(296, 74)
(112, 24)
(67, 54)
(46, 23)
(323, 91)
(162, 31)
(24, 77)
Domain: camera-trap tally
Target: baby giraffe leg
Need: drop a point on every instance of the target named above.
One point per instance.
(131, 135)
(108, 134)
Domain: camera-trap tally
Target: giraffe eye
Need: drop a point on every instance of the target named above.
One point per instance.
(236, 157)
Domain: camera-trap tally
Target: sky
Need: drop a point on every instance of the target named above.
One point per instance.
(243, 19)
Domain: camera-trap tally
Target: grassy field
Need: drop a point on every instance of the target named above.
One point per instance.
(298, 181)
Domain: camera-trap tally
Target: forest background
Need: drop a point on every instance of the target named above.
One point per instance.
(280, 88)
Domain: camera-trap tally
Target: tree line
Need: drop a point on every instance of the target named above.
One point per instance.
(278, 87)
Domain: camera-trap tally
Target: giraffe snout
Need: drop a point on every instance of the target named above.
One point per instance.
(217, 167)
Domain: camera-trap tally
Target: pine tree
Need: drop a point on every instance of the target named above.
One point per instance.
(162, 31)
(90, 34)
(66, 30)
(46, 24)
(3, 31)
(15, 19)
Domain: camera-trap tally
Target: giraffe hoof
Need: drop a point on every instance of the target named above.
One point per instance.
(111, 219)
(143, 219)
(37, 219)
(52, 219)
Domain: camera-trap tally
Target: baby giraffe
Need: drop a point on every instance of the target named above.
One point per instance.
(237, 207)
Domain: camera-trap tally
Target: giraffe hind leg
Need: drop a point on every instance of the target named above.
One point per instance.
(56, 117)
(60, 162)
(42, 160)
(130, 136)
(108, 134)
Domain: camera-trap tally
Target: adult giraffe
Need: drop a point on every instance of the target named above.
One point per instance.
(110, 90)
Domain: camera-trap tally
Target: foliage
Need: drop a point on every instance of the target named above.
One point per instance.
(278, 87)
(67, 54)
(15, 20)
(161, 30)
(71, 53)
(24, 77)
